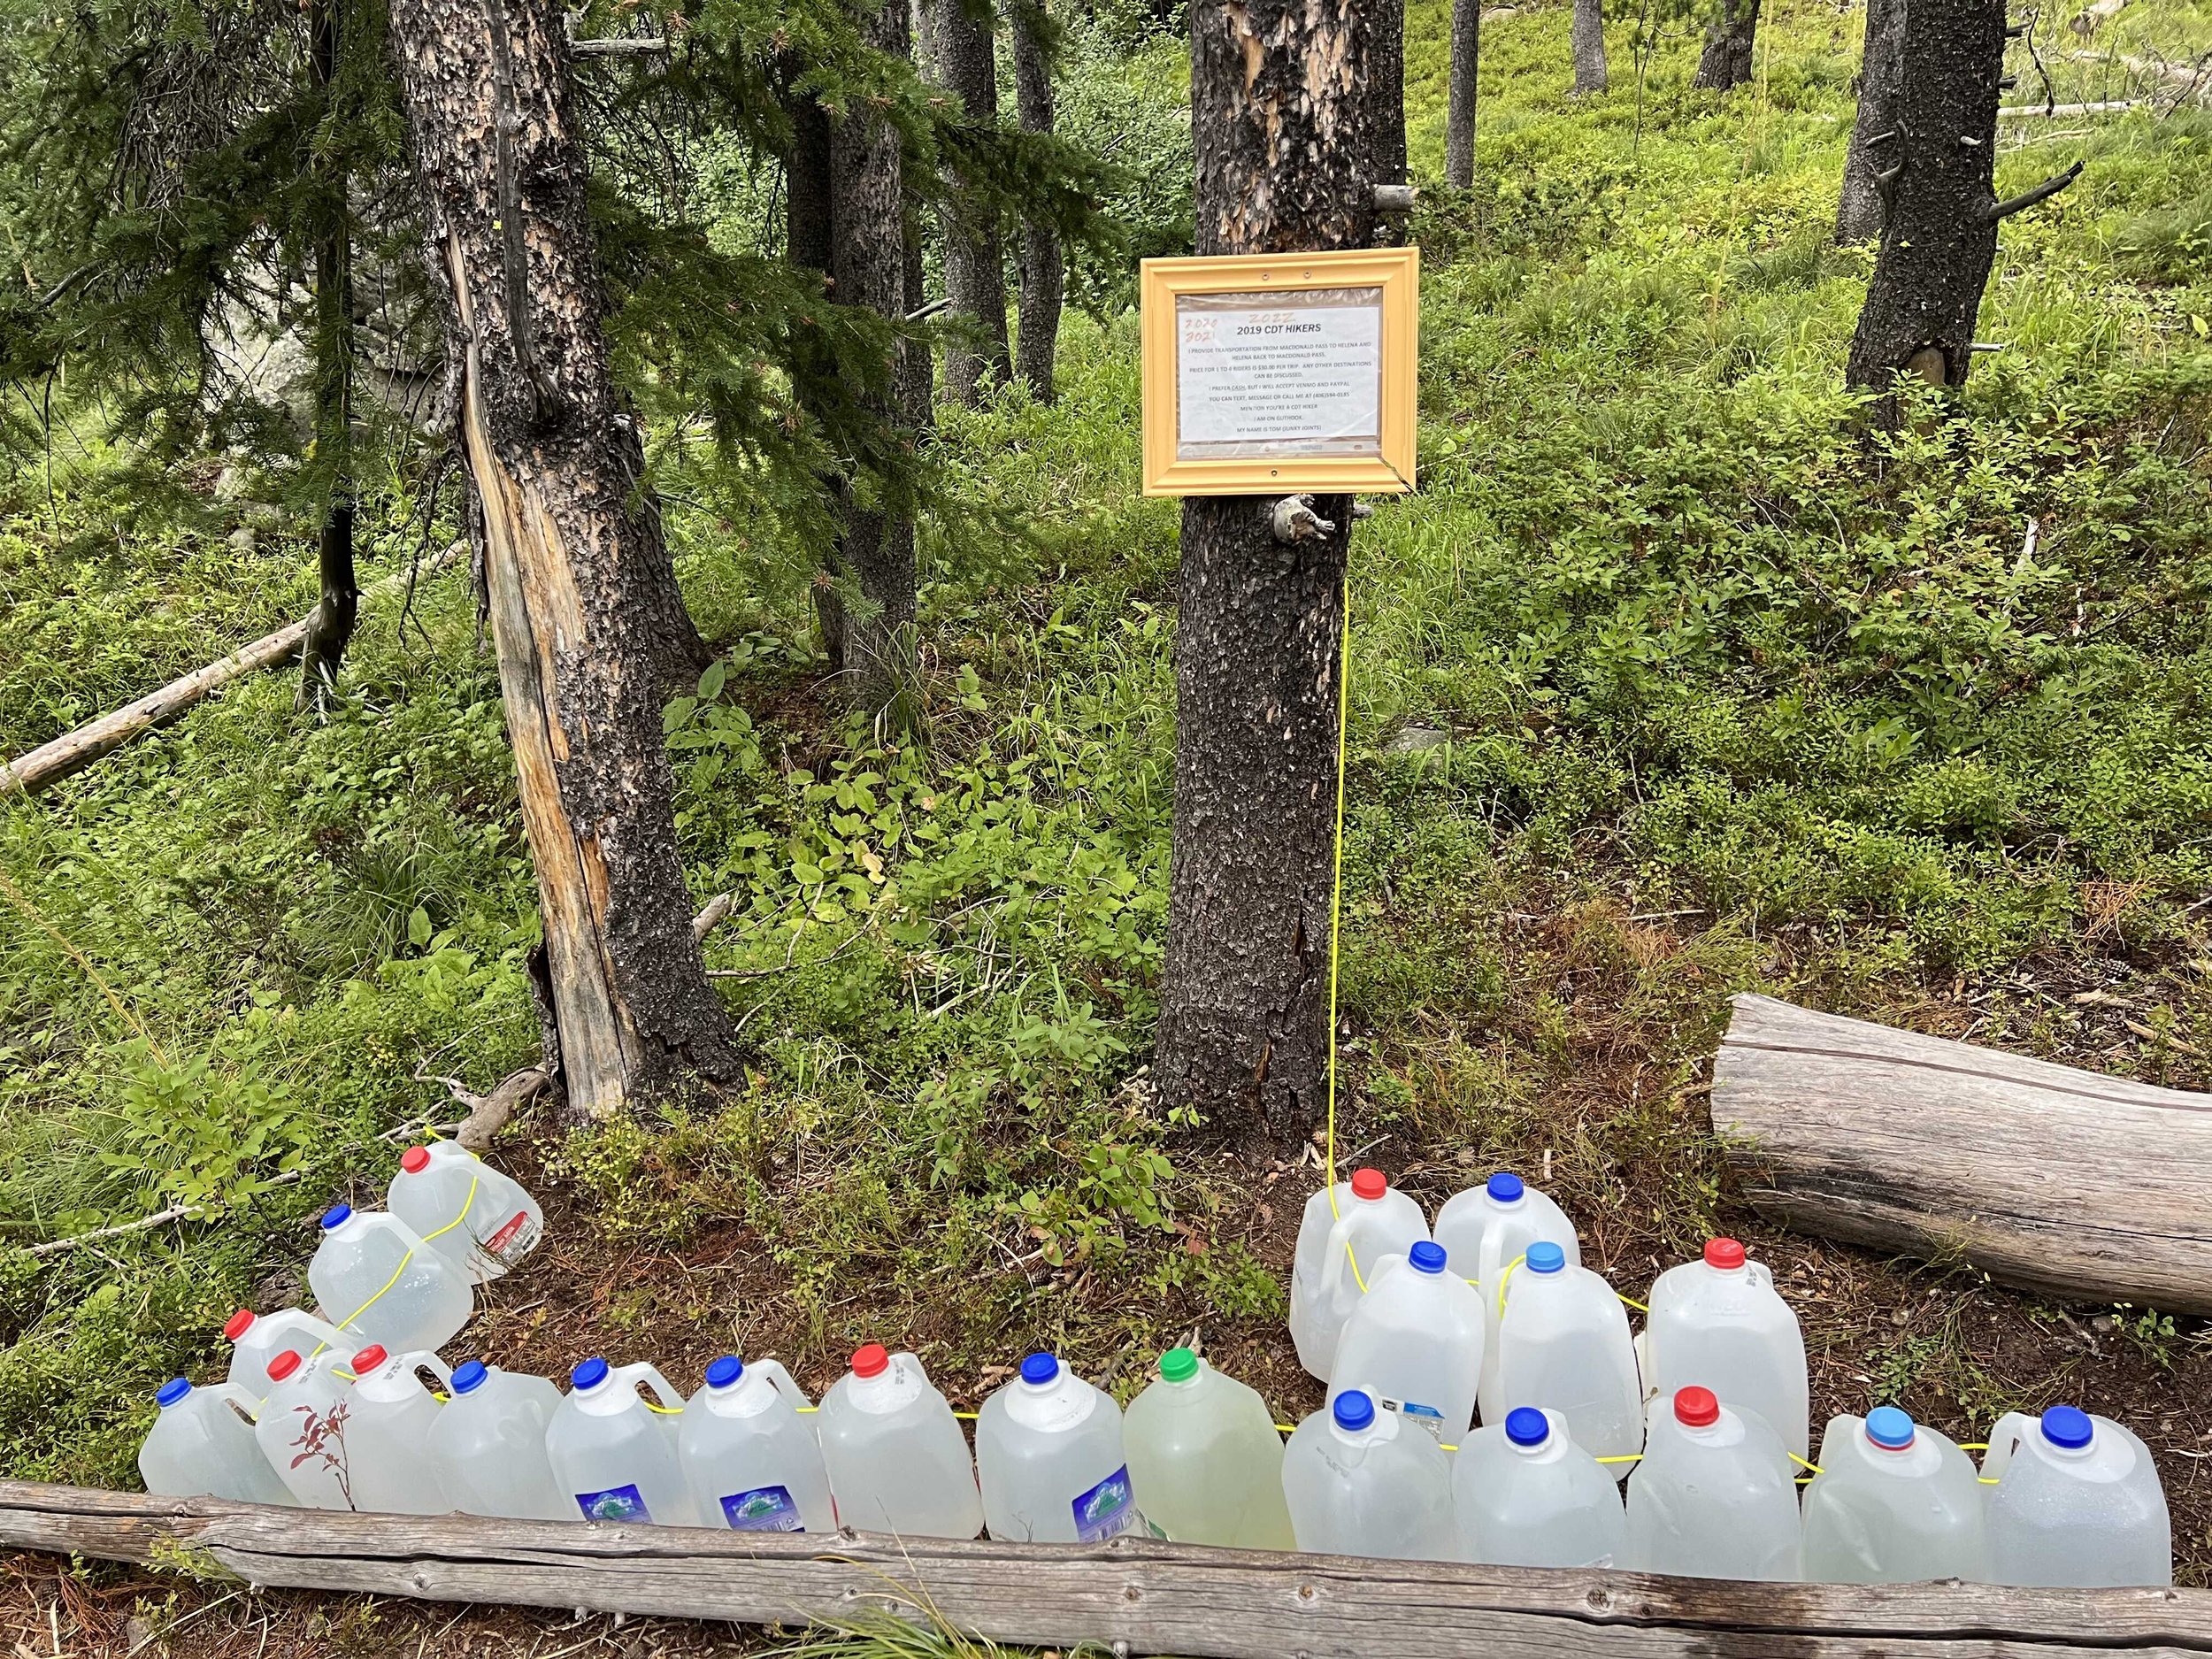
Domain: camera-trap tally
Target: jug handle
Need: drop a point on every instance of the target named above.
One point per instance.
(783, 1383)
(2005, 1436)
(1760, 1275)
(422, 1359)
(240, 1400)
(1334, 1257)
(664, 1399)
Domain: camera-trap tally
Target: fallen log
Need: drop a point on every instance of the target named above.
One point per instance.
(2088, 1187)
(73, 751)
(1136, 1595)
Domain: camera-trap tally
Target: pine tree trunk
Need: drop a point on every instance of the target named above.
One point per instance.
(1586, 38)
(1042, 277)
(1859, 203)
(1726, 60)
(338, 605)
(581, 590)
(807, 215)
(1459, 121)
(1281, 104)
(975, 280)
(1387, 74)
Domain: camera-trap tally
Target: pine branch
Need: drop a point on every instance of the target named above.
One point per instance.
(2027, 199)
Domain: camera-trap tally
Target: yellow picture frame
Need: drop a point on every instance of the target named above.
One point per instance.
(1164, 286)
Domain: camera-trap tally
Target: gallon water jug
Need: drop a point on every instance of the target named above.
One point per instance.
(257, 1339)
(2076, 1502)
(375, 1277)
(1363, 1482)
(1527, 1495)
(614, 1455)
(202, 1442)
(489, 1442)
(389, 1433)
(303, 1428)
(896, 1458)
(1203, 1451)
(478, 1219)
(1894, 1503)
(1715, 1497)
(1720, 1324)
(1485, 1228)
(1415, 1342)
(750, 1459)
(1048, 1458)
(1563, 1346)
(1355, 1221)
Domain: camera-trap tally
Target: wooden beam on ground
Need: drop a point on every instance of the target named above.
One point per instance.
(1136, 1595)
(2089, 1187)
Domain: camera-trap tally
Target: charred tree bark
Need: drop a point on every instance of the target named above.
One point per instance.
(1726, 60)
(580, 587)
(1387, 74)
(975, 280)
(1280, 105)
(1874, 134)
(1586, 36)
(338, 604)
(1459, 120)
(1042, 275)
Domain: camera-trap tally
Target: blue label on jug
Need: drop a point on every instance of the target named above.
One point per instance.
(763, 1509)
(616, 1504)
(1107, 1509)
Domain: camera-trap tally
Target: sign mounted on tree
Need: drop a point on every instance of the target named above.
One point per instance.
(1279, 373)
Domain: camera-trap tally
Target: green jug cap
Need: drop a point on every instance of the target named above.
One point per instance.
(1179, 1364)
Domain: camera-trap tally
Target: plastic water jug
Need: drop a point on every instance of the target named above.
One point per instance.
(1720, 1324)
(1894, 1503)
(1527, 1495)
(375, 1277)
(301, 1430)
(1203, 1451)
(1359, 1221)
(1715, 1497)
(2076, 1502)
(614, 1455)
(489, 1445)
(202, 1442)
(1415, 1342)
(257, 1339)
(476, 1218)
(1486, 1227)
(1048, 1458)
(750, 1459)
(896, 1458)
(388, 1434)
(1363, 1482)
(1563, 1346)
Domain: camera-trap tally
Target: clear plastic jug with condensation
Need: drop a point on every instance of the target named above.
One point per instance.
(752, 1461)
(1344, 1232)
(1363, 1482)
(376, 1278)
(897, 1460)
(1203, 1451)
(1719, 1323)
(389, 1434)
(1527, 1495)
(301, 1428)
(478, 1219)
(1715, 1497)
(1048, 1458)
(1415, 1342)
(1563, 1346)
(2077, 1504)
(1485, 1228)
(203, 1443)
(489, 1443)
(1894, 1503)
(613, 1453)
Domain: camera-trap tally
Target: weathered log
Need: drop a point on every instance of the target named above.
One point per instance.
(2089, 1187)
(1135, 1594)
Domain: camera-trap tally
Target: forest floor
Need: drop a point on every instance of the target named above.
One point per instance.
(1663, 687)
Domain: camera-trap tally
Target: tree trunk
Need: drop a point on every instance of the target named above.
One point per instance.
(339, 602)
(1873, 147)
(1387, 74)
(1280, 104)
(975, 283)
(581, 586)
(1042, 277)
(809, 215)
(1726, 60)
(1459, 122)
(1586, 35)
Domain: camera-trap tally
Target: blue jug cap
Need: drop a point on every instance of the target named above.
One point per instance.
(1889, 1428)
(336, 1216)
(2068, 1427)
(173, 1391)
(1353, 1409)
(590, 1374)
(1039, 1369)
(1427, 1257)
(1544, 1256)
(469, 1376)
(724, 1371)
(1525, 1426)
(1504, 1188)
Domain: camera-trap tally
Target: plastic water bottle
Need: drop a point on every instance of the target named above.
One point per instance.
(257, 1339)
(2076, 1502)
(615, 1456)
(1563, 1346)
(202, 1442)
(489, 1442)
(1203, 1451)
(1715, 1497)
(896, 1458)
(1485, 1228)
(1894, 1503)
(1720, 1324)
(393, 1415)
(301, 1430)
(1360, 1482)
(1415, 1342)
(1527, 1495)
(1360, 1221)
(1048, 1458)
(444, 1184)
(750, 1459)
(375, 1277)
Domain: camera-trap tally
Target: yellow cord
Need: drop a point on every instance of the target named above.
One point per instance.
(1336, 891)
(409, 1256)
(1803, 1462)
(1632, 1302)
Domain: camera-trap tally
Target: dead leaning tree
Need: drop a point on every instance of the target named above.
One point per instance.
(2087, 1186)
